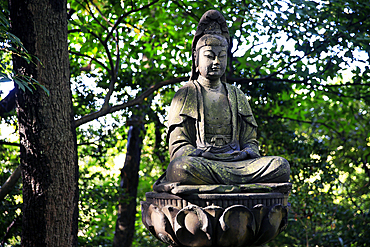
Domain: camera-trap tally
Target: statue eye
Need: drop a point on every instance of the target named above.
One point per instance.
(222, 54)
(209, 54)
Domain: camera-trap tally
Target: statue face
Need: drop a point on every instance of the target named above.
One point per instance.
(212, 61)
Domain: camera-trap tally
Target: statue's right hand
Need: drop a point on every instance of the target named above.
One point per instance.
(209, 155)
(196, 153)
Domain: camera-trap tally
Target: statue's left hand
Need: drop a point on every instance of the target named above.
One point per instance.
(250, 153)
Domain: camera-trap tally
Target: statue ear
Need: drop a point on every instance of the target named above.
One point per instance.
(196, 58)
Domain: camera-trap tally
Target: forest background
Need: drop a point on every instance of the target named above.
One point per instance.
(304, 65)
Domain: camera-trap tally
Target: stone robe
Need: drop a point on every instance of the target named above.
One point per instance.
(196, 161)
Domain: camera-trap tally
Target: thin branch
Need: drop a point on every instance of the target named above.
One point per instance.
(265, 78)
(113, 75)
(9, 184)
(187, 11)
(105, 18)
(14, 223)
(303, 121)
(70, 13)
(93, 16)
(87, 143)
(95, 35)
(10, 143)
(270, 78)
(145, 32)
(77, 30)
(137, 101)
(91, 58)
(241, 33)
(346, 84)
(127, 14)
(341, 95)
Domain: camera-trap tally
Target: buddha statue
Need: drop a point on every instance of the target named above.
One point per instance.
(217, 190)
(212, 131)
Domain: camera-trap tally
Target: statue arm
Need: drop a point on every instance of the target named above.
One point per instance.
(248, 140)
(182, 140)
(248, 127)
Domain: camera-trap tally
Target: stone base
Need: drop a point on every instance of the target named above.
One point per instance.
(217, 219)
(222, 200)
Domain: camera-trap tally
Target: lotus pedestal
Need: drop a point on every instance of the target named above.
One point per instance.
(217, 215)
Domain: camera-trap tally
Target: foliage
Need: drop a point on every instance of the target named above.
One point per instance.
(10, 207)
(12, 45)
(304, 64)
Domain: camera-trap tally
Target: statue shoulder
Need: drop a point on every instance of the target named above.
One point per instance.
(183, 104)
(239, 93)
(183, 91)
(184, 94)
(240, 96)
(243, 107)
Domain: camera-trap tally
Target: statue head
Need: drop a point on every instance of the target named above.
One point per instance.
(210, 46)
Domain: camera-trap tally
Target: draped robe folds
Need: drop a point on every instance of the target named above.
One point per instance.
(187, 144)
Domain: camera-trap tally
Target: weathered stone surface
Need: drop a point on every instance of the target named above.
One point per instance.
(212, 131)
(221, 200)
(216, 226)
(176, 188)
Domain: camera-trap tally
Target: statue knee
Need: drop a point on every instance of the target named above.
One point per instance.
(283, 168)
(284, 164)
(178, 169)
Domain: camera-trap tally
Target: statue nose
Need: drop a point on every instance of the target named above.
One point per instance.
(216, 61)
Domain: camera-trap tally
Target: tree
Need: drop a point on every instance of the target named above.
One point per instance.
(46, 127)
(125, 226)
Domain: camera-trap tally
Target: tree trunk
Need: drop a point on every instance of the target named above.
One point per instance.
(46, 126)
(125, 225)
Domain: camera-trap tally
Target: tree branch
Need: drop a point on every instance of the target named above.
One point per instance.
(125, 15)
(77, 30)
(270, 78)
(265, 78)
(105, 18)
(137, 101)
(347, 84)
(93, 16)
(10, 143)
(14, 223)
(303, 121)
(189, 12)
(92, 58)
(9, 184)
(113, 75)
(86, 143)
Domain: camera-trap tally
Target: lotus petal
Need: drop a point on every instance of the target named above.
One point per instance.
(270, 226)
(157, 223)
(171, 212)
(192, 227)
(259, 212)
(214, 213)
(237, 227)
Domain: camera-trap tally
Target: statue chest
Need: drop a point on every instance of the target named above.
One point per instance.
(217, 116)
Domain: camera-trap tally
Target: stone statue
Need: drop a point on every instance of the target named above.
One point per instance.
(217, 191)
(212, 131)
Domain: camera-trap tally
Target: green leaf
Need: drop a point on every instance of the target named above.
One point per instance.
(5, 79)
